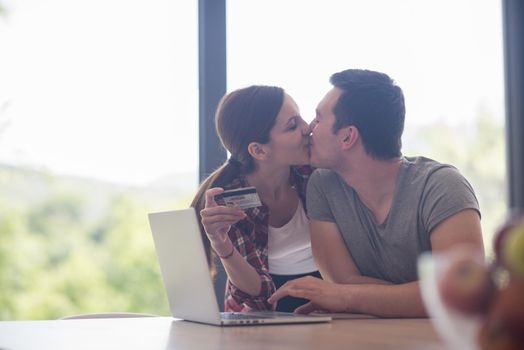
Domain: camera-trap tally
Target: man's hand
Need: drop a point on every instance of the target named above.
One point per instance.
(323, 296)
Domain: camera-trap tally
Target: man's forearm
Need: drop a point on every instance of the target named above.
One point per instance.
(358, 279)
(400, 300)
(345, 278)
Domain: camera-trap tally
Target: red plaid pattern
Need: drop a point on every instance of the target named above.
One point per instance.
(249, 237)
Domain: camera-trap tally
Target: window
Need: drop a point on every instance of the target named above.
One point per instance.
(445, 55)
(98, 105)
(99, 121)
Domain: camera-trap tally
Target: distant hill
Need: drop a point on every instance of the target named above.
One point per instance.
(23, 186)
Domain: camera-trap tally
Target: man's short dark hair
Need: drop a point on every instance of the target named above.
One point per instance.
(374, 104)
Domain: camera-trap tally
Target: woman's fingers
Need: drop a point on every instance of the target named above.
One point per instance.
(213, 228)
(225, 217)
(217, 219)
(210, 196)
(221, 218)
(221, 213)
(221, 210)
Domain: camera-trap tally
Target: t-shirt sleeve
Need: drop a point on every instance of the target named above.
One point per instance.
(316, 197)
(446, 193)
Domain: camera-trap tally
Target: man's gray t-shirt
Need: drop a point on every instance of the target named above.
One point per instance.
(426, 193)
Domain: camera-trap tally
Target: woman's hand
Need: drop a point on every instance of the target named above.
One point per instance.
(217, 220)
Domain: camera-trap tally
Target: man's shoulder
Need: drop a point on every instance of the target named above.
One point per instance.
(326, 184)
(424, 162)
(323, 175)
(433, 175)
(325, 180)
(426, 167)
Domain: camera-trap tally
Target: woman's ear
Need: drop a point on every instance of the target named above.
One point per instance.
(257, 151)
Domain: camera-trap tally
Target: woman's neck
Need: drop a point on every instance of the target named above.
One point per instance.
(272, 183)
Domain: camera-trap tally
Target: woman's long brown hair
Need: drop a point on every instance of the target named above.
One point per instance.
(243, 116)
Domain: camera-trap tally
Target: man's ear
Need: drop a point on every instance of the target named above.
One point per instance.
(349, 136)
(257, 151)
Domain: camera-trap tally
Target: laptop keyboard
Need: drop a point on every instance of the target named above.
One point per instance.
(241, 316)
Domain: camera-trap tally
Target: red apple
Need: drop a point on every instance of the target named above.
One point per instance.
(504, 326)
(495, 337)
(466, 284)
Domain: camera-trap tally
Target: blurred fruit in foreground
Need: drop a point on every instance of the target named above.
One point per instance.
(513, 250)
(489, 295)
(504, 326)
(496, 337)
(502, 234)
(466, 283)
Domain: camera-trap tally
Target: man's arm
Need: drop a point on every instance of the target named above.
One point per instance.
(405, 300)
(401, 300)
(344, 289)
(461, 228)
(332, 256)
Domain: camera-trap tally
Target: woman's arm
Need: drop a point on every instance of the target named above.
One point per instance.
(217, 221)
(250, 282)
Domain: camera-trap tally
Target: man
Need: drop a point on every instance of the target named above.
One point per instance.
(372, 210)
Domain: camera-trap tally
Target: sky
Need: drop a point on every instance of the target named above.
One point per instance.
(108, 89)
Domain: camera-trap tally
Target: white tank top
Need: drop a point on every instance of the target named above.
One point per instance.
(289, 246)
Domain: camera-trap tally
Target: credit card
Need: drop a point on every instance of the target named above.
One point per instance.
(245, 198)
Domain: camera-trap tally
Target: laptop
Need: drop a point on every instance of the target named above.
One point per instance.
(188, 282)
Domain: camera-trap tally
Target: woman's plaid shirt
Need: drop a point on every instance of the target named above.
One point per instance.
(250, 238)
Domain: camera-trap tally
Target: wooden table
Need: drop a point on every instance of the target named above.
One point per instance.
(166, 333)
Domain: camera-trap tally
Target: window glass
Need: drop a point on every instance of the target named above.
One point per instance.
(445, 55)
(98, 127)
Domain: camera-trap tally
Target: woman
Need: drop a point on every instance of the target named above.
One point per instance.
(261, 248)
